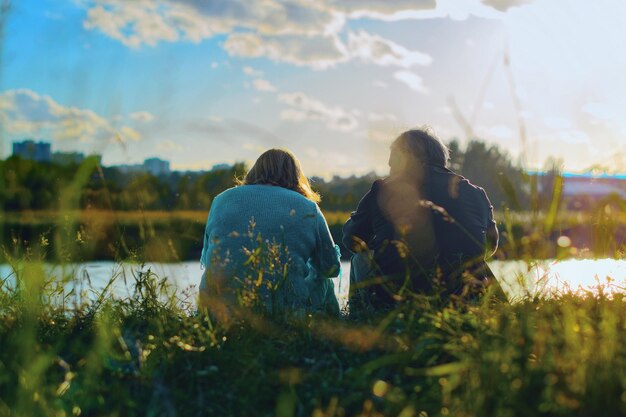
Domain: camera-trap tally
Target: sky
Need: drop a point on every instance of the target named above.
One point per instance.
(218, 81)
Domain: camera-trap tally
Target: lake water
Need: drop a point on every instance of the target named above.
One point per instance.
(516, 277)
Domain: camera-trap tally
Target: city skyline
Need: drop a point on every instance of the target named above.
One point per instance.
(202, 84)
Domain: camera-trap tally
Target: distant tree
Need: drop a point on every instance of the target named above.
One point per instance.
(491, 168)
(456, 155)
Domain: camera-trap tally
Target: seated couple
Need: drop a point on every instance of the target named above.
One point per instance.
(423, 228)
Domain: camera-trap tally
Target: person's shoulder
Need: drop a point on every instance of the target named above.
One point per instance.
(379, 183)
(278, 195)
(468, 190)
(228, 193)
(460, 180)
(291, 195)
(459, 185)
(470, 185)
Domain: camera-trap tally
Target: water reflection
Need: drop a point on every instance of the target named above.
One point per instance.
(547, 277)
(518, 278)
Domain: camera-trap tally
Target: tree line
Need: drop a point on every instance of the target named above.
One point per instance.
(31, 185)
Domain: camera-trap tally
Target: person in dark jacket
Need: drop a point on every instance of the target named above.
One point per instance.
(422, 227)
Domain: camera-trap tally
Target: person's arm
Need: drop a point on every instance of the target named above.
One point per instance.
(210, 224)
(491, 234)
(492, 239)
(358, 228)
(326, 259)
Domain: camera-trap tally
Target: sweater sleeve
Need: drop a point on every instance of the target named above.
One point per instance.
(210, 224)
(326, 259)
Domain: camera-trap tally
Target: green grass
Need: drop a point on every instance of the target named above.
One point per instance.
(162, 236)
(147, 355)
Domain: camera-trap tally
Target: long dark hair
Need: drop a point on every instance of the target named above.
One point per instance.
(424, 146)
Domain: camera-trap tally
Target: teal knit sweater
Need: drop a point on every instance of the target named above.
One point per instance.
(270, 244)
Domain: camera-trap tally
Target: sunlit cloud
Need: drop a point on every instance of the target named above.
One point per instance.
(169, 146)
(320, 52)
(142, 116)
(263, 85)
(298, 33)
(374, 8)
(24, 112)
(378, 117)
(377, 50)
(411, 79)
(567, 81)
(128, 133)
(139, 22)
(253, 72)
(504, 5)
(252, 147)
(304, 108)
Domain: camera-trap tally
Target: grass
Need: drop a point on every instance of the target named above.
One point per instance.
(148, 354)
(151, 354)
(172, 236)
(26, 217)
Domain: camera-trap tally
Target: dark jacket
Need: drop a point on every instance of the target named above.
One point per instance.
(438, 221)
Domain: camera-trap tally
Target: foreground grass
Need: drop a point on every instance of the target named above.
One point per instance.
(146, 355)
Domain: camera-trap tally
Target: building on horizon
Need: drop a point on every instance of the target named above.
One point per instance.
(583, 191)
(34, 151)
(153, 166)
(220, 167)
(156, 166)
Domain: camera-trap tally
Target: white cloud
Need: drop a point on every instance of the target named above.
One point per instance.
(148, 22)
(169, 146)
(383, 52)
(374, 8)
(411, 79)
(318, 52)
(126, 133)
(24, 112)
(253, 72)
(132, 23)
(263, 85)
(139, 22)
(252, 147)
(379, 117)
(504, 5)
(297, 32)
(305, 108)
(142, 116)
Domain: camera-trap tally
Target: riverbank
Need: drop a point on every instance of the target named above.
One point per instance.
(144, 355)
(174, 236)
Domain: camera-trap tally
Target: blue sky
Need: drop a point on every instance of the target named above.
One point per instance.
(204, 82)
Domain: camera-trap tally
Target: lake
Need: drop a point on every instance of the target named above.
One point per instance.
(516, 277)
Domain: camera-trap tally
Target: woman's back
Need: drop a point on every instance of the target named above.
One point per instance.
(266, 243)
